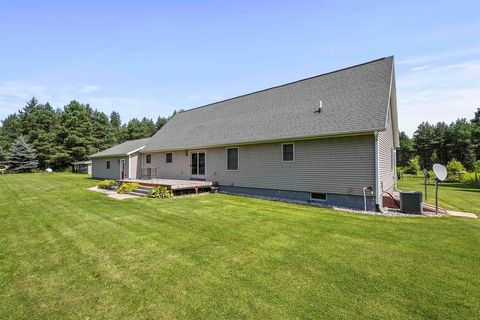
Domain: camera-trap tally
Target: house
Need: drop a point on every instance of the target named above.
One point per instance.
(328, 139)
(84, 167)
(118, 162)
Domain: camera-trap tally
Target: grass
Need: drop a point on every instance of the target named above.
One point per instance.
(453, 196)
(66, 252)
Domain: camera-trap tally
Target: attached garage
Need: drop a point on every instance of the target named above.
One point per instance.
(118, 162)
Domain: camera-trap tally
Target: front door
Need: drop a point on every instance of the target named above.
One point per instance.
(197, 165)
(122, 169)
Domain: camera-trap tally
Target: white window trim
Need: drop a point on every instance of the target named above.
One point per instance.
(313, 199)
(281, 152)
(226, 158)
(166, 158)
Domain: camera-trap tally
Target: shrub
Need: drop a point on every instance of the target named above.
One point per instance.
(476, 166)
(160, 192)
(106, 184)
(472, 178)
(413, 166)
(455, 170)
(127, 187)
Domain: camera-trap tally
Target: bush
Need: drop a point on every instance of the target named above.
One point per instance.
(455, 170)
(127, 187)
(472, 178)
(476, 166)
(106, 184)
(413, 166)
(160, 192)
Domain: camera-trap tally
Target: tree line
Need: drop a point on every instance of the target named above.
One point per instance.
(442, 143)
(61, 136)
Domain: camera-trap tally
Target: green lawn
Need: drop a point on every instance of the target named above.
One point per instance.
(66, 252)
(454, 196)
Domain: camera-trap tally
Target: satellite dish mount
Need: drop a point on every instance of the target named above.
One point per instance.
(440, 175)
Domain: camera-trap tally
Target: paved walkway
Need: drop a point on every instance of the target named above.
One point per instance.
(112, 194)
(462, 214)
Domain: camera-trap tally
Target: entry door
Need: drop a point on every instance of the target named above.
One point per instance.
(122, 169)
(197, 165)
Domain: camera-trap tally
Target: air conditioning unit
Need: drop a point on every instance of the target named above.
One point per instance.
(411, 202)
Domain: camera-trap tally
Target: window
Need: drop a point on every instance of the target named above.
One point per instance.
(108, 164)
(318, 196)
(148, 158)
(232, 159)
(168, 157)
(288, 152)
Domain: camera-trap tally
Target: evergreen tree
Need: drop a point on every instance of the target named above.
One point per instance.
(161, 121)
(103, 133)
(406, 150)
(40, 126)
(10, 130)
(463, 148)
(116, 125)
(76, 134)
(22, 157)
(423, 139)
(3, 157)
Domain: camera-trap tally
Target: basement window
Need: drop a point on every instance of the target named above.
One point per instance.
(288, 152)
(168, 157)
(148, 159)
(318, 196)
(108, 164)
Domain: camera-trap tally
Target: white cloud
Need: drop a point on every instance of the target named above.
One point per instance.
(419, 68)
(89, 89)
(443, 93)
(440, 56)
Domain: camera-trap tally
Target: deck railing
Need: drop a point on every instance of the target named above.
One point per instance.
(150, 172)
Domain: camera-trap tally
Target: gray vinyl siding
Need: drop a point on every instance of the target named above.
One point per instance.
(334, 165)
(387, 168)
(100, 171)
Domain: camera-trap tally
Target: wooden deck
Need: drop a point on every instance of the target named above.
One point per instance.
(173, 184)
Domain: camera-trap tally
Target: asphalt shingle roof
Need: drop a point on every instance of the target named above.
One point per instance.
(354, 99)
(121, 149)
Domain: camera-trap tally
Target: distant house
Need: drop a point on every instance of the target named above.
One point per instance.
(84, 167)
(118, 162)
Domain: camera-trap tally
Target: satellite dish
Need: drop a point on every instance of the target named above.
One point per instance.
(440, 171)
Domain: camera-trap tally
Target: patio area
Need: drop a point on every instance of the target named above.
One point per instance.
(173, 184)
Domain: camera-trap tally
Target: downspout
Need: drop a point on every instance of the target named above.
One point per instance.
(378, 192)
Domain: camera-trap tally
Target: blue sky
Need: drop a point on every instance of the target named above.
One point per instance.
(147, 58)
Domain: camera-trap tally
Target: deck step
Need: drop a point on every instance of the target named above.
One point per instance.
(141, 187)
(138, 194)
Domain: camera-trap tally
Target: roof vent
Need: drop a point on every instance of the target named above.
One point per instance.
(319, 108)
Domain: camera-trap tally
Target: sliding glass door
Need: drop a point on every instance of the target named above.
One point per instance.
(197, 165)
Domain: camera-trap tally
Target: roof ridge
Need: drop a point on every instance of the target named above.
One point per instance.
(286, 84)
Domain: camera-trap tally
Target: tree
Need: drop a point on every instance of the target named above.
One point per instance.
(76, 134)
(423, 139)
(3, 156)
(22, 157)
(406, 150)
(476, 117)
(161, 121)
(40, 124)
(116, 125)
(460, 145)
(10, 130)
